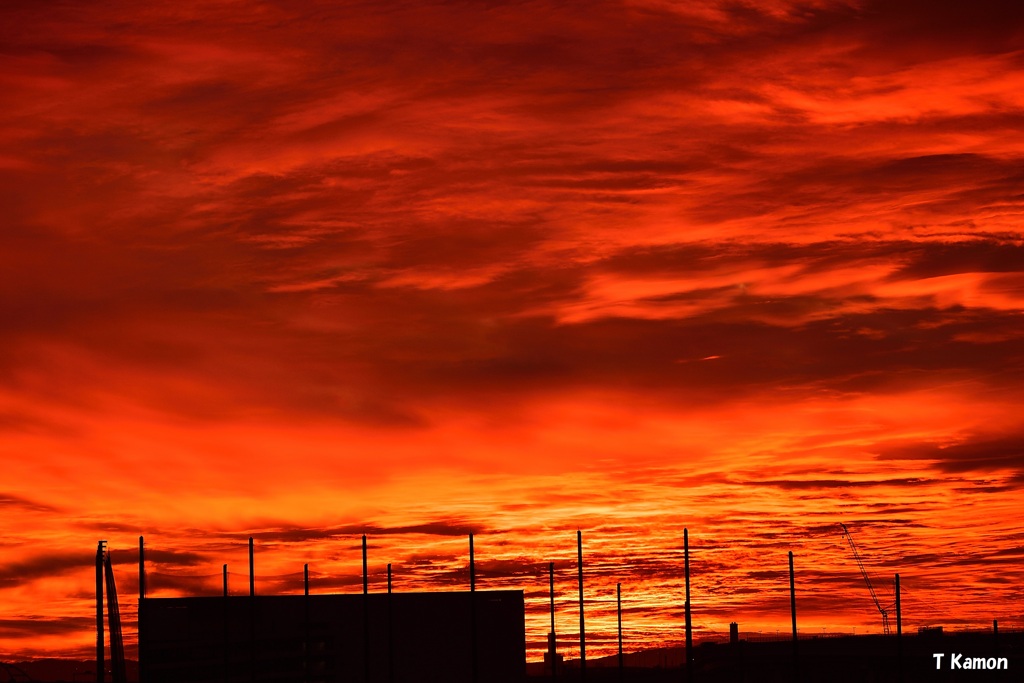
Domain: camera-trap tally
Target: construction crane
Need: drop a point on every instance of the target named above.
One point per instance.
(105, 575)
(117, 661)
(867, 579)
(15, 674)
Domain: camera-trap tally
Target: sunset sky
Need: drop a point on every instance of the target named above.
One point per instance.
(308, 270)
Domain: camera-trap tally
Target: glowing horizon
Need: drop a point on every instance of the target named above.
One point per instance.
(752, 268)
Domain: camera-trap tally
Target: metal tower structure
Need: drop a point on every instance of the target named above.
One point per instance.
(105, 578)
(15, 674)
(117, 663)
(867, 579)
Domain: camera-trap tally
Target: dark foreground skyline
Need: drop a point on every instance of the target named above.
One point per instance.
(751, 660)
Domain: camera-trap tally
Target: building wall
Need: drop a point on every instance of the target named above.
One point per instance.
(425, 637)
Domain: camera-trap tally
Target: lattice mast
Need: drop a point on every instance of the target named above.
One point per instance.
(867, 579)
(117, 663)
(105, 578)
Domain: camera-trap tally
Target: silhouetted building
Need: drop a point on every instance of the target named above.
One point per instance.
(409, 638)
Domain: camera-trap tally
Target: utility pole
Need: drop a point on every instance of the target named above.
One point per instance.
(618, 605)
(689, 623)
(224, 613)
(142, 596)
(252, 569)
(305, 620)
(142, 568)
(391, 633)
(552, 639)
(899, 630)
(792, 604)
(583, 629)
(366, 617)
(472, 610)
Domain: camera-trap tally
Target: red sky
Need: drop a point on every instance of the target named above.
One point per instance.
(302, 270)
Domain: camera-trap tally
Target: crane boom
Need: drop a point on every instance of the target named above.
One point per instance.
(867, 579)
(117, 662)
(14, 673)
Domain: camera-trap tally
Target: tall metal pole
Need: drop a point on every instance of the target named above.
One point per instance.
(792, 604)
(899, 613)
(618, 604)
(142, 568)
(100, 658)
(142, 596)
(899, 631)
(305, 618)
(583, 630)
(552, 640)
(224, 613)
(252, 568)
(252, 611)
(366, 617)
(472, 610)
(366, 577)
(391, 633)
(686, 606)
